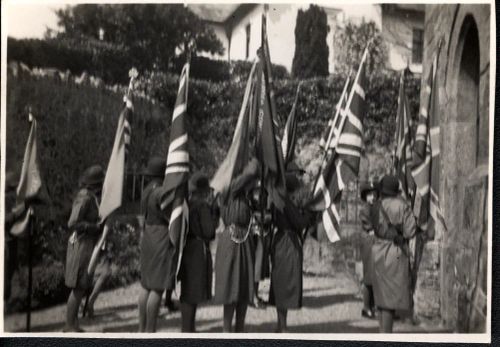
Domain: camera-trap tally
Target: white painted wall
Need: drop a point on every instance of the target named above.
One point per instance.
(281, 31)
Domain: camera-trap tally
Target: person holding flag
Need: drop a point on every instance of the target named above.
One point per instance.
(157, 253)
(195, 272)
(394, 224)
(234, 263)
(166, 216)
(85, 226)
(287, 253)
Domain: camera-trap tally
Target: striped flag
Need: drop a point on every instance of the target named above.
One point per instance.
(268, 151)
(404, 144)
(343, 165)
(290, 132)
(177, 171)
(333, 123)
(112, 188)
(426, 160)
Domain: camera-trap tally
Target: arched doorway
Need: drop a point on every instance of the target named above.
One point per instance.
(468, 88)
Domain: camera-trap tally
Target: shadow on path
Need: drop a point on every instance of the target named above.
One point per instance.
(328, 300)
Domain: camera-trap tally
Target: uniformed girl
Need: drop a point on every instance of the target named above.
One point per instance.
(394, 225)
(195, 273)
(84, 224)
(287, 255)
(234, 266)
(369, 194)
(157, 253)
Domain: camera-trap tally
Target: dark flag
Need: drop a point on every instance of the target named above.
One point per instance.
(404, 144)
(426, 160)
(268, 150)
(177, 171)
(343, 165)
(290, 132)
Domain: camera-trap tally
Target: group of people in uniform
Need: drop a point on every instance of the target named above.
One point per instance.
(250, 237)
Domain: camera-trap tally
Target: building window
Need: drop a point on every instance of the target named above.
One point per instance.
(417, 47)
(247, 30)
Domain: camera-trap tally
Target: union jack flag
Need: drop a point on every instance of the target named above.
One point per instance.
(343, 165)
(426, 160)
(177, 171)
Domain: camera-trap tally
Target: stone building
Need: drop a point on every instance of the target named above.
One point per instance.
(452, 281)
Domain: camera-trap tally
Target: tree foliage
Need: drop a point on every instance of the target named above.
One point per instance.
(350, 42)
(152, 33)
(311, 50)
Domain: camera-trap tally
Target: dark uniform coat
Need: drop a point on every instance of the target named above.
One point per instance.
(367, 241)
(234, 265)
(286, 257)
(391, 281)
(195, 273)
(85, 233)
(157, 253)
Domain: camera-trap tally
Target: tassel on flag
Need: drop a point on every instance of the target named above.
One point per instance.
(177, 171)
(268, 151)
(290, 132)
(343, 165)
(426, 161)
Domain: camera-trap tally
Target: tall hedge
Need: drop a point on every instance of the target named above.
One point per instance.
(112, 62)
(311, 50)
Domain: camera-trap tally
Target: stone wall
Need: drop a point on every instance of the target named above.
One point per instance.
(454, 261)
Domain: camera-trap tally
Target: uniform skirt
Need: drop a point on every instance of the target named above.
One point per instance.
(366, 257)
(195, 273)
(391, 280)
(158, 259)
(234, 270)
(78, 254)
(286, 273)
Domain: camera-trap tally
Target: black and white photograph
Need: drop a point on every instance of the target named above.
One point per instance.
(247, 170)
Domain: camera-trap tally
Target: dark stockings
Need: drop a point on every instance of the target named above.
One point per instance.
(241, 311)
(188, 314)
(386, 320)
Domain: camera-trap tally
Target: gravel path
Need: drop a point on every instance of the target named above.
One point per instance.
(330, 305)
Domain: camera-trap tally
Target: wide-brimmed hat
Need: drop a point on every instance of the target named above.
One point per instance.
(199, 183)
(389, 185)
(92, 176)
(11, 180)
(365, 188)
(156, 167)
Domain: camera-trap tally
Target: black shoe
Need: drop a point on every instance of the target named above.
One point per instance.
(171, 306)
(367, 314)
